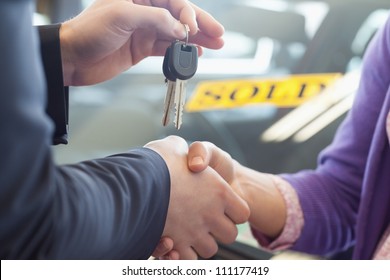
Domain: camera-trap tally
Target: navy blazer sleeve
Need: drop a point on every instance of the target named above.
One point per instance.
(110, 208)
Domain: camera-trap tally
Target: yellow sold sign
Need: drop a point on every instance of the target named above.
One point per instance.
(288, 91)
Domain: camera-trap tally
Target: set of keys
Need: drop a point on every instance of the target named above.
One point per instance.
(180, 64)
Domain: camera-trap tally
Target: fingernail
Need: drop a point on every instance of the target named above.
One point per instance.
(196, 161)
(180, 31)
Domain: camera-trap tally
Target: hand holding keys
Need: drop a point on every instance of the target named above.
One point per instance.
(180, 64)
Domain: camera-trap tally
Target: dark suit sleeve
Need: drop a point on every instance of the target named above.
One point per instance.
(57, 93)
(110, 208)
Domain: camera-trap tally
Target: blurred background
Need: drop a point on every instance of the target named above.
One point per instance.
(264, 39)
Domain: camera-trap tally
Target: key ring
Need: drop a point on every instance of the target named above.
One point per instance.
(187, 29)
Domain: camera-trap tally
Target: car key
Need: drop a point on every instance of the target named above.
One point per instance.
(180, 64)
(183, 63)
(170, 80)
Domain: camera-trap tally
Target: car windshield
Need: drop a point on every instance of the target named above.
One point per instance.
(272, 38)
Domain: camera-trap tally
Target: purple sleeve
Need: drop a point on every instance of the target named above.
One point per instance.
(330, 195)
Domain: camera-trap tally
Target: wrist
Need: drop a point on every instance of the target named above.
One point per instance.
(246, 186)
(266, 203)
(68, 67)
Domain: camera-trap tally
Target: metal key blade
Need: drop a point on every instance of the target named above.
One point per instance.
(180, 93)
(168, 102)
(182, 63)
(179, 65)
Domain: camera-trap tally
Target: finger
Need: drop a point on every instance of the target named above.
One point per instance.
(197, 19)
(132, 17)
(236, 208)
(163, 247)
(207, 23)
(187, 253)
(206, 247)
(210, 30)
(203, 40)
(188, 16)
(182, 11)
(198, 156)
(203, 154)
(172, 255)
(224, 230)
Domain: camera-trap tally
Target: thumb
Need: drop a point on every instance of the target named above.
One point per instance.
(204, 154)
(164, 247)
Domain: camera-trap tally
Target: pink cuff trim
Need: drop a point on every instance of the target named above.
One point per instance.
(383, 250)
(294, 219)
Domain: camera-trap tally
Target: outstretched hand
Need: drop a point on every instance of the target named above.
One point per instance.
(110, 36)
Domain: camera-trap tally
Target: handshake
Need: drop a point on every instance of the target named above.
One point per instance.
(204, 205)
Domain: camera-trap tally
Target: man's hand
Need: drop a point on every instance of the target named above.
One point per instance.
(112, 35)
(203, 208)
